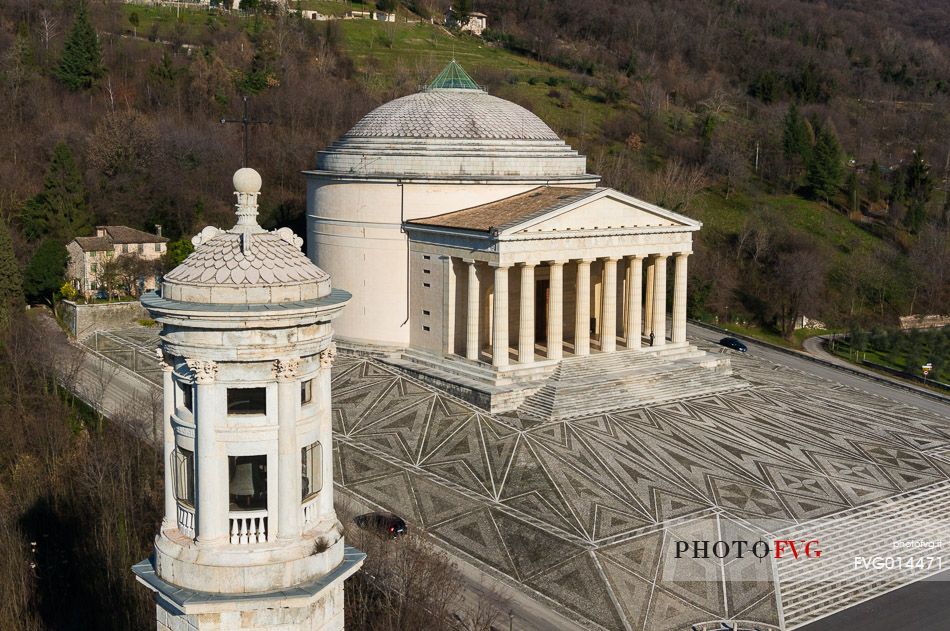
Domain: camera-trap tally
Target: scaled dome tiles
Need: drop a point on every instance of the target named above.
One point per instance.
(452, 113)
(272, 270)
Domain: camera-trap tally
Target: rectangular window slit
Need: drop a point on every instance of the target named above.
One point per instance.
(425, 328)
(426, 285)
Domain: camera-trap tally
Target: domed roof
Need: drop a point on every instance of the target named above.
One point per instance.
(454, 129)
(246, 264)
(452, 113)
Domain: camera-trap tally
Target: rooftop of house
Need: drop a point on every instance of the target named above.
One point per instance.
(510, 211)
(107, 237)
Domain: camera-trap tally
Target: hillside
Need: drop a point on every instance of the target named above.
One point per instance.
(665, 100)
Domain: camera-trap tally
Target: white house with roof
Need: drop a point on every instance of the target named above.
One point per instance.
(482, 254)
(87, 255)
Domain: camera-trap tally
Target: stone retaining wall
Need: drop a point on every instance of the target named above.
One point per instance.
(81, 319)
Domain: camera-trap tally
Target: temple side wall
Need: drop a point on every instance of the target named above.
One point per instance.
(355, 235)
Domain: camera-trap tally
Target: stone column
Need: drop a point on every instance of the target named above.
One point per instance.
(288, 453)
(634, 301)
(608, 307)
(659, 300)
(679, 298)
(526, 313)
(212, 501)
(168, 434)
(582, 312)
(471, 322)
(555, 331)
(500, 317)
(325, 422)
(648, 302)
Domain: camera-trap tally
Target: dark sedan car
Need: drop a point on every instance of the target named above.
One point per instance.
(734, 344)
(383, 524)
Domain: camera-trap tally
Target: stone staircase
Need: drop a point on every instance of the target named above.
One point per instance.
(600, 383)
(810, 589)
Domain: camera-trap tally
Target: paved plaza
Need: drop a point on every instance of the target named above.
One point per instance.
(581, 513)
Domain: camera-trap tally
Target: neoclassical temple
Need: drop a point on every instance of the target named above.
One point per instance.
(480, 252)
(550, 272)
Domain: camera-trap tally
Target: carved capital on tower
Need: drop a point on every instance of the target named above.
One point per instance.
(328, 355)
(286, 369)
(204, 372)
(163, 361)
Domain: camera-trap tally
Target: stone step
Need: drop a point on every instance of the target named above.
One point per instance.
(813, 590)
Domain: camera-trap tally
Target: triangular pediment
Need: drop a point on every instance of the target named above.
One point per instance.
(608, 210)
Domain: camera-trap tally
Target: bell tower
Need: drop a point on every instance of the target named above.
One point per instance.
(249, 539)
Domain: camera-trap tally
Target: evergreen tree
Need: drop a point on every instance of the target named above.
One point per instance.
(45, 272)
(825, 167)
(874, 182)
(11, 284)
(919, 188)
(81, 64)
(61, 209)
(796, 142)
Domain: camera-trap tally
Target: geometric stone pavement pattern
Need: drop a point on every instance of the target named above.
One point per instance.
(581, 513)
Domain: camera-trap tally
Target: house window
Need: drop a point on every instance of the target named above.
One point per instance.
(186, 397)
(311, 480)
(247, 477)
(141, 248)
(125, 248)
(247, 400)
(158, 247)
(306, 391)
(185, 476)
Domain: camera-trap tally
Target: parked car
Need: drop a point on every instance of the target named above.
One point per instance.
(383, 524)
(734, 344)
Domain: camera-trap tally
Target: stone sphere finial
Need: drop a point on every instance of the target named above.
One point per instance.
(247, 180)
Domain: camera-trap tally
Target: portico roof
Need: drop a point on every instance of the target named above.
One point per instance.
(511, 211)
(561, 210)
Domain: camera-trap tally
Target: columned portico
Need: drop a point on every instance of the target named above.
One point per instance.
(491, 273)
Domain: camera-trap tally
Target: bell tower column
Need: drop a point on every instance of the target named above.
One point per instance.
(288, 455)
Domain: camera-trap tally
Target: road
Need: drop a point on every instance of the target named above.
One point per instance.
(865, 384)
(923, 606)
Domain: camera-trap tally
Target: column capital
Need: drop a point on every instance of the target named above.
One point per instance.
(556, 262)
(286, 369)
(469, 261)
(328, 356)
(610, 258)
(633, 257)
(163, 361)
(529, 263)
(498, 265)
(204, 372)
(585, 260)
(683, 254)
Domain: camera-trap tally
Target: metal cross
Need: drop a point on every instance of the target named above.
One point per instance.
(246, 122)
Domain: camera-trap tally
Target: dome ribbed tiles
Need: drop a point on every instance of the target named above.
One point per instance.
(452, 114)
